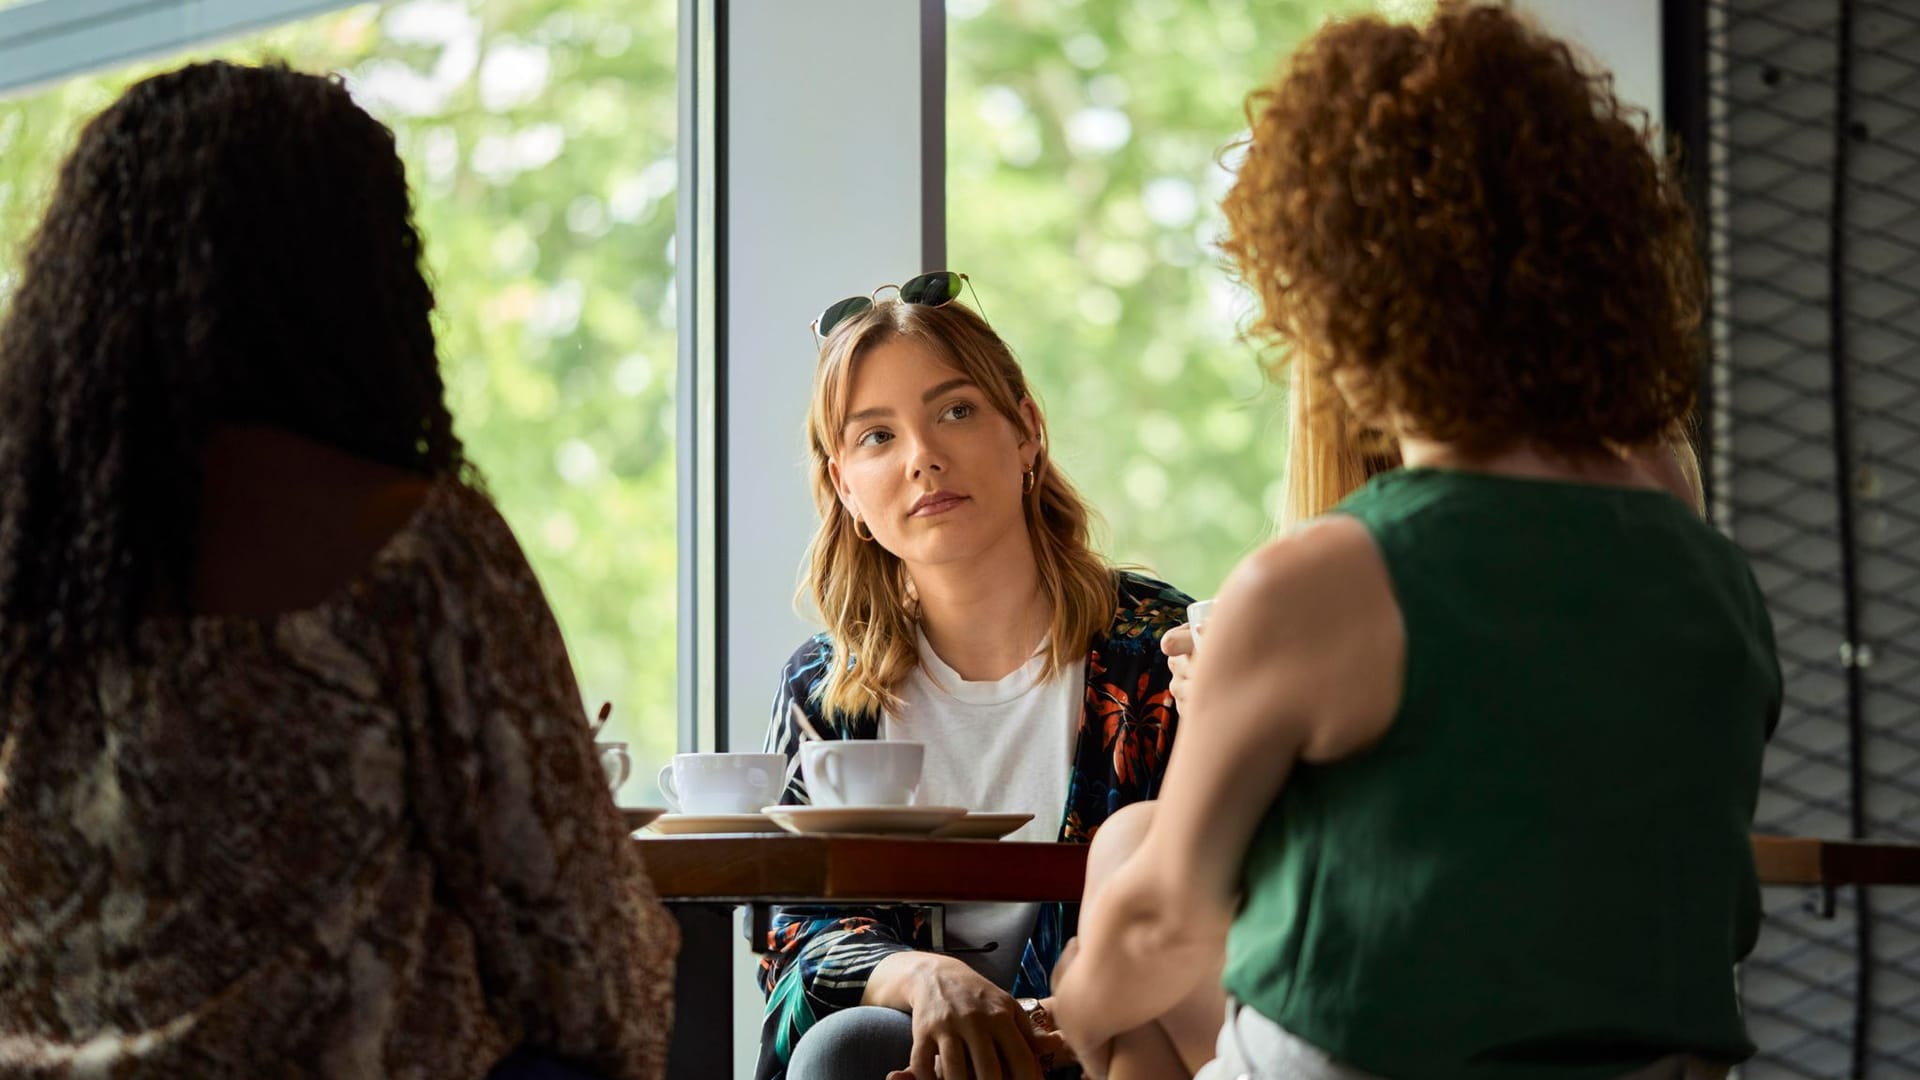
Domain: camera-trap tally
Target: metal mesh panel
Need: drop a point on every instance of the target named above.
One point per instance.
(1882, 305)
(1815, 108)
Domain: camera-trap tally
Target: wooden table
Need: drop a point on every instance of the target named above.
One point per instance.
(702, 878)
(1805, 860)
(790, 869)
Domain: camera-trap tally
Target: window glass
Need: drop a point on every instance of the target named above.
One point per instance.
(1084, 157)
(539, 136)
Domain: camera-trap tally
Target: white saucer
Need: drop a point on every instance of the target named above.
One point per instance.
(639, 817)
(895, 820)
(689, 824)
(979, 826)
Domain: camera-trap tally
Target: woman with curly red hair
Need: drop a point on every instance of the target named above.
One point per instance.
(1469, 764)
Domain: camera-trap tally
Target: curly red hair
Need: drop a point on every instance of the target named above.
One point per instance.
(1465, 235)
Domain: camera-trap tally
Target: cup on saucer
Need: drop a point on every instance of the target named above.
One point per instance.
(862, 772)
(722, 783)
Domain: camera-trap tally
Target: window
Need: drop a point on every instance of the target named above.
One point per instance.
(1083, 193)
(539, 136)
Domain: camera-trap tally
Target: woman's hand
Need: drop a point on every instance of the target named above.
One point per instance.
(1178, 644)
(975, 1029)
(1048, 1043)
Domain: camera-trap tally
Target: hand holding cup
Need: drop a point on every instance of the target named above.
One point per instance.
(1180, 645)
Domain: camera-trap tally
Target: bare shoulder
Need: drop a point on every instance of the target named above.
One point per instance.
(1313, 614)
(286, 523)
(390, 506)
(1321, 544)
(1309, 573)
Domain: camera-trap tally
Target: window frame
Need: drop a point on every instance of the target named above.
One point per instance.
(43, 42)
(872, 210)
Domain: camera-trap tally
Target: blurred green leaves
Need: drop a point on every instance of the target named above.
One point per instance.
(1084, 140)
(1084, 147)
(539, 136)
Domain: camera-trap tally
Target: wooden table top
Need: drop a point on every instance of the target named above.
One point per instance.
(1802, 860)
(764, 867)
(875, 868)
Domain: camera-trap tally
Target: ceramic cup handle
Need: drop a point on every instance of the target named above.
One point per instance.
(621, 769)
(830, 779)
(667, 788)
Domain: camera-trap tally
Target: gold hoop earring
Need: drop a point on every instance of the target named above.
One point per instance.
(867, 539)
(1027, 482)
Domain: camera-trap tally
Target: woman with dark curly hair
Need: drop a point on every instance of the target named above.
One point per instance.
(1468, 766)
(293, 773)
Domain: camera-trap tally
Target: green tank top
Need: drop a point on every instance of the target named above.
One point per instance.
(1543, 869)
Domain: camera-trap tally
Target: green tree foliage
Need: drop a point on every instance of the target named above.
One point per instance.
(539, 136)
(1084, 146)
(1084, 139)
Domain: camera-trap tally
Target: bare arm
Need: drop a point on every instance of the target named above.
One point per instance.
(1303, 660)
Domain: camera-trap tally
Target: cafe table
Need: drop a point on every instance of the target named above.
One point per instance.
(703, 879)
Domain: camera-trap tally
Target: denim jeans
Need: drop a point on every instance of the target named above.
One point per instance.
(862, 1043)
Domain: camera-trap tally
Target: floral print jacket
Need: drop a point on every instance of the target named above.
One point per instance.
(368, 838)
(820, 957)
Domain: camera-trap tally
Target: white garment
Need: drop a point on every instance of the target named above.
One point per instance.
(1252, 1047)
(1004, 746)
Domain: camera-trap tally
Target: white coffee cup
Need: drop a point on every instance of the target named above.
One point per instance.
(862, 772)
(616, 763)
(1197, 614)
(722, 783)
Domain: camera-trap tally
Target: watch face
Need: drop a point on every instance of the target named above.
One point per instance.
(1037, 1014)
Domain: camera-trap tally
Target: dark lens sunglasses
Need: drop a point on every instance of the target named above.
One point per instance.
(937, 289)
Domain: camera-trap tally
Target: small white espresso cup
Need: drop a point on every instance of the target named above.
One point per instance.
(1198, 613)
(616, 763)
(722, 783)
(862, 772)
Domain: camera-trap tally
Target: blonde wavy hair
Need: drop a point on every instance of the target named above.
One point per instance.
(1327, 460)
(862, 591)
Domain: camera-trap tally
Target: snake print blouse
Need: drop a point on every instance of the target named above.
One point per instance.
(365, 839)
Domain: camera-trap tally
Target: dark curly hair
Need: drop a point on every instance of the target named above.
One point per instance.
(1469, 235)
(225, 245)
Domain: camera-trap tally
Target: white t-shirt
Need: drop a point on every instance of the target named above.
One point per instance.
(1004, 746)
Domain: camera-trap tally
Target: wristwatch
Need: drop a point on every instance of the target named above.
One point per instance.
(1037, 1014)
(1042, 1021)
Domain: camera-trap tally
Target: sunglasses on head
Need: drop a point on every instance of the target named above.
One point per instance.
(937, 289)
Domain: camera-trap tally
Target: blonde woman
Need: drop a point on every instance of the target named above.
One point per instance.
(965, 609)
